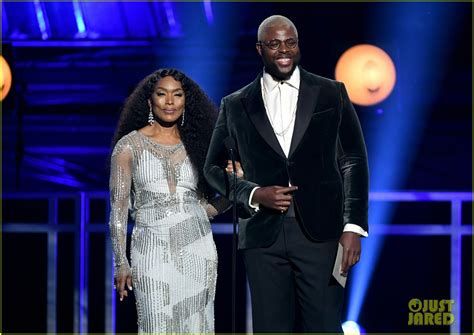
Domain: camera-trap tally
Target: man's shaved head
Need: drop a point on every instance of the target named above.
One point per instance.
(274, 21)
(278, 46)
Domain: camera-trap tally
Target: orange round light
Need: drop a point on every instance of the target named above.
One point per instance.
(5, 78)
(368, 74)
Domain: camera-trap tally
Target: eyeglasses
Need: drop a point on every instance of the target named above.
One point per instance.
(275, 44)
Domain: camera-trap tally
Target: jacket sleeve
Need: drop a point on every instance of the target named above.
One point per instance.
(214, 168)
(352, 160)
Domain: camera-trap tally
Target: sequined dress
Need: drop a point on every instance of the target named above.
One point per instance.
(173, 255)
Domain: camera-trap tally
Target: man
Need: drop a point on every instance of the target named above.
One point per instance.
(305, 189)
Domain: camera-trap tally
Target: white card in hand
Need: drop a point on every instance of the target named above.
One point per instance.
(336, 271)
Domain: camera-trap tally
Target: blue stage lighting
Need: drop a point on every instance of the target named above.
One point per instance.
(351, 328)
(392, 145)
(208, 10)
(81, 26)
(174, 27)
(204, 56)
(41, 20)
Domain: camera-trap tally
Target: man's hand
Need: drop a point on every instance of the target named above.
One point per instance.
(351, 250)
(275, 197)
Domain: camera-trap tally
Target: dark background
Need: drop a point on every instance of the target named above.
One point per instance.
(67, 92)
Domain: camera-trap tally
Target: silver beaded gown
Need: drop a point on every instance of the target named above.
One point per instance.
(173, 255)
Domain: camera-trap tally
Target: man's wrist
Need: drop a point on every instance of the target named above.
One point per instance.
(252, 204)
(353, 228)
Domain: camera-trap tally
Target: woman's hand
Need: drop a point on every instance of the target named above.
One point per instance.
(120, 280)
(238, 166)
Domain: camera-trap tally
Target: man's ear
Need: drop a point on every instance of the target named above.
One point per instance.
(258, 46)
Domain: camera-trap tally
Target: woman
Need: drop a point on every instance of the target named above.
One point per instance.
(156, 169)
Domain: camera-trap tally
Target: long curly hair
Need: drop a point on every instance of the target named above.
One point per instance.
(201, 115)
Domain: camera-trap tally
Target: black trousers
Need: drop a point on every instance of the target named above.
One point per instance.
(293, 277)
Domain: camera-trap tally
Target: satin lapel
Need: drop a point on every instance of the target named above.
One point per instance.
(253, 103)
(307, 99)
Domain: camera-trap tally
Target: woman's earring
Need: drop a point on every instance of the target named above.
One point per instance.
(151, 118)
(182, 118)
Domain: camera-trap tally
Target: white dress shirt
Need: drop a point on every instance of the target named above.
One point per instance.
(280, 99)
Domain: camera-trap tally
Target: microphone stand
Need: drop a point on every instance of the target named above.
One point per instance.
(234, 238)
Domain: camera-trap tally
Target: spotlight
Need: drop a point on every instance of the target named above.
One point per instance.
(5, 78)
(368, 73)
(351, 328)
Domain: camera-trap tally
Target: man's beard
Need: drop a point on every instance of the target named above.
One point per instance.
(272, 68)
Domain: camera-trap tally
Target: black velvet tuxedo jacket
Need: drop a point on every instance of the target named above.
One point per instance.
(327, 161)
